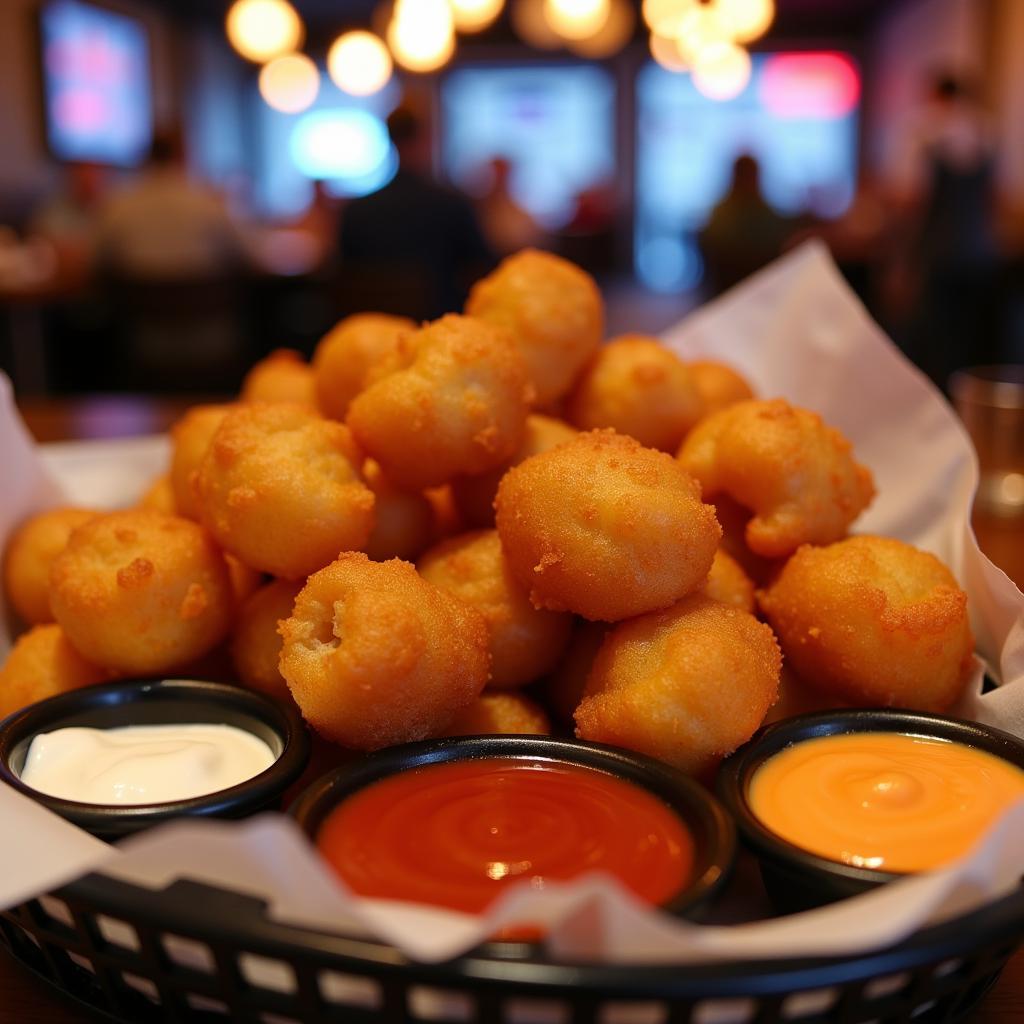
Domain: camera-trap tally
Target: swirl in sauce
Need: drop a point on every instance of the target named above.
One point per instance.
(887, 801)
(457, 834)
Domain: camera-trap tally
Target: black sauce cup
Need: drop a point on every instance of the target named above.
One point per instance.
(795, 878)
(161, 702)
(713, 832)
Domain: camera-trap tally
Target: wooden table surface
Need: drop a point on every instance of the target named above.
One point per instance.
(24, 1000)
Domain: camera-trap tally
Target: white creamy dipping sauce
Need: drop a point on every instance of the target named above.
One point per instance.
(143, 764)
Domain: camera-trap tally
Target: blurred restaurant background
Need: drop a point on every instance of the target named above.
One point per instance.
(187, 185)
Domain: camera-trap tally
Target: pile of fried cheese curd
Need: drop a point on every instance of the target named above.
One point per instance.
(497, 522)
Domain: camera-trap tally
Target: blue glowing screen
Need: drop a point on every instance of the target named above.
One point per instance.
(555, 124)
(797, 116)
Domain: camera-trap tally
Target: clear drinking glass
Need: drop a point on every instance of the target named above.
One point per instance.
(990, 401)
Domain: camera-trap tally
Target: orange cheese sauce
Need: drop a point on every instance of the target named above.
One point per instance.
(458, 834)
(887, 801)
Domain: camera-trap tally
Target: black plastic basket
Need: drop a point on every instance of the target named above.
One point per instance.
(192, 953)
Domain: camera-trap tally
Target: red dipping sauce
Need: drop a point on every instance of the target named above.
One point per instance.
(457, 834)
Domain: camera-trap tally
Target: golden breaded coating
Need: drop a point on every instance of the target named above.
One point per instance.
(638, 387)
(404, 525)
(563, 689)
(873, 621)
(283, 376)
(501, 714)
(687, 685)
(474, 495)
(458, 407)
(141, 592)
(280, 489)
(348, 353)
(159, 496)
(727, 582)
(42, 663)
(190, 440)
(606, 528)
(255, 641)
(554, 311)
(525, 642)
(796, 473)
(719, 385)
(30, 553)
(376, 655)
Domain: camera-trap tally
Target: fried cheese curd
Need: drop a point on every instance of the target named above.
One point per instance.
(375, 655)
(474, 495)
(280, 488)
(459, 406)
(283, 376)
(718, 385)
(30, 553)
(553, 310)
(141, 592)
(639, 387)
(795, 473)
(347, 355)
(190, 440)
(255, 641)
(42, 663)
(728, 583)
(873, 621)
(604, 527)
(686, 685)
(502, 714)
(404, 520)
(525, 642)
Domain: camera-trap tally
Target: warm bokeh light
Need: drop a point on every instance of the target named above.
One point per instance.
(663, 17)
(698, 29)
(611, 37)
(532, 26)
(666, 53)
(576, 19)
(289, 83)
(745, 20)
(359, 63)
(475, 15)
(263, 29)
(722, 71)
(422, 34)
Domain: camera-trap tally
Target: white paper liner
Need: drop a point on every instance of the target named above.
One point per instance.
(797, 331)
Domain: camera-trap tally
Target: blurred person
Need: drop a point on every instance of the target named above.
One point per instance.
(164, 226)
(950, 254)
(68, 218)
(743, 233)
(414, 246)
(171, 263)
(507, 226)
